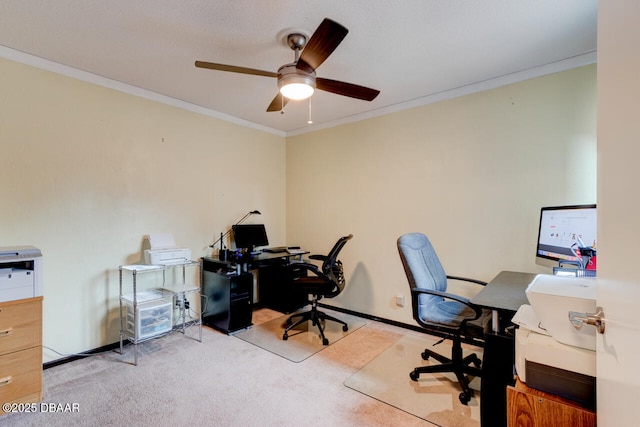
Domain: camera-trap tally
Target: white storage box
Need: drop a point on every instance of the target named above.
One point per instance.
(553, 297)
(154, 314)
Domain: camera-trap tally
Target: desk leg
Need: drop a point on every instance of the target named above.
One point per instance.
(497, 372)
(495, 321)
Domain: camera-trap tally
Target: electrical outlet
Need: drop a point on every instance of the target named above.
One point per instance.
(400, 300)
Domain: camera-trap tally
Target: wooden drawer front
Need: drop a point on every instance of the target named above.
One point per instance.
(20, 324)
(530, 407)
(21, 374)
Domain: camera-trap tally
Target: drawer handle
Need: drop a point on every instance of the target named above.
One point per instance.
(6, 381)
(5, 332)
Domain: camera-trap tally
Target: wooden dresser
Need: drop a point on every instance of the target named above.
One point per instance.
(21, 351)
(527, 407)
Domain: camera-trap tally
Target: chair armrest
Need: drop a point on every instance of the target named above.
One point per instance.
(459, 298)
(318, 257)
(447, 295)
(466, 279)
(306, 266)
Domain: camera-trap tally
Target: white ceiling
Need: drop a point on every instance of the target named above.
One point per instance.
(413, 51)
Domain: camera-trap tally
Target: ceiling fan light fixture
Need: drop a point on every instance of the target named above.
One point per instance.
(297, 91)
(295, 84)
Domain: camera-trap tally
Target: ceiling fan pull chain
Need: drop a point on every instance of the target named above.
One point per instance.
(281, 104)
(310, 122)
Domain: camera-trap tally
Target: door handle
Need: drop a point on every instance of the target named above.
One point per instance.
(596, 319)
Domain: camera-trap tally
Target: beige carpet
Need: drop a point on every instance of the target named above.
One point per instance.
(304, 340)
(434, 397)
(223, 381)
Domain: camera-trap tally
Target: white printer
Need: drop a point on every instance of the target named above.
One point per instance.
(20, 272)
(551, 354)
(164, 251)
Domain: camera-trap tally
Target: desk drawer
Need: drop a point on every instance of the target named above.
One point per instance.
(20, 324)
(21, 376)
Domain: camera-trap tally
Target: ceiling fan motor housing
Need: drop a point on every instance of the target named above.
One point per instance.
(288, 74)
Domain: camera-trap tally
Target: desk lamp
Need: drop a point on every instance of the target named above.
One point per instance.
(222, 255)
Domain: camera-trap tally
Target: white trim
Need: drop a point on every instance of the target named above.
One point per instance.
(554, 67)
(45, 64)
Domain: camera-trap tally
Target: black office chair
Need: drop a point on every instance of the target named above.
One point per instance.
(440, 313)
(327, 281)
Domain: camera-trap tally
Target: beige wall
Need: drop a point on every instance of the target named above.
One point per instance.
(87, 172)
(471, 173)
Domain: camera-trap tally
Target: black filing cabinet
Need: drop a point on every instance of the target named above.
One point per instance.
(228, 301)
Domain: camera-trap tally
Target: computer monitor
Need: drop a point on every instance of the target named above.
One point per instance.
(248, 236)
(563, 228)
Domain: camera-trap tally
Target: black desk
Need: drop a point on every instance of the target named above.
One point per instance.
(274, 282)
(503, 295)
(258, 260)
(228, 287)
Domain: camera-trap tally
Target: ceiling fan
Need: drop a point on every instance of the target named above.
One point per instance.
(298, 80)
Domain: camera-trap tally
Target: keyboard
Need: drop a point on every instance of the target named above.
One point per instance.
(275, 249)
(293, 251)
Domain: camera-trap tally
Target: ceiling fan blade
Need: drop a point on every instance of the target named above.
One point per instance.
(234, 69)
(346, 89)
(278, 103)
(322, 43)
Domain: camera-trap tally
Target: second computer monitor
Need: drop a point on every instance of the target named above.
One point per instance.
(563, 229)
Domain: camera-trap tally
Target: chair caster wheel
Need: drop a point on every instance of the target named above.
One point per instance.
(425, 355)
(345, 329)
(414, 375)
(285, 337)
(465, 397)
(325, 342)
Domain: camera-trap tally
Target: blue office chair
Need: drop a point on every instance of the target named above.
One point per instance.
(327, 281)
(441, 313)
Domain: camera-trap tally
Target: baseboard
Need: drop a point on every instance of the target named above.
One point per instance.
(115, 345)
(88, 353)
(415, 328)
(372, 317)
